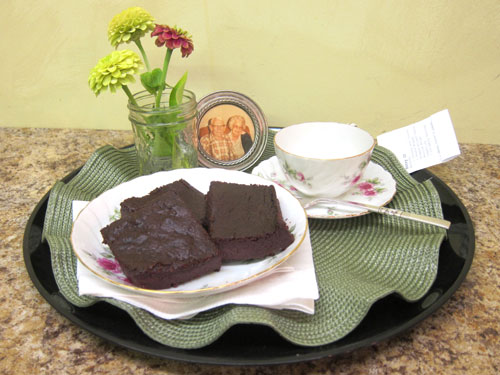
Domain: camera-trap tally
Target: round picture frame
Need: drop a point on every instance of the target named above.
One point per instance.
(231, 131)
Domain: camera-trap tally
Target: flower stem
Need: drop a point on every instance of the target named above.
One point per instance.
(143, 53)
(129, 94)
(166, 61)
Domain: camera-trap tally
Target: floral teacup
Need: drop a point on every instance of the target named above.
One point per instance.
(323, 158)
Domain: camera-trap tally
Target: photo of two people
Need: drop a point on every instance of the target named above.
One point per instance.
(226, 136)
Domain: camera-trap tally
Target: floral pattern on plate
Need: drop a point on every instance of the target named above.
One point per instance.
(376, 186)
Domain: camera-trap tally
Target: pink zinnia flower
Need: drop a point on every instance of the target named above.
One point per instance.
(173, 37)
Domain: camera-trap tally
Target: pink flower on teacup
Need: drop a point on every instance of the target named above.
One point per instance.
(369, 193)
(356, 179)
(295, 175)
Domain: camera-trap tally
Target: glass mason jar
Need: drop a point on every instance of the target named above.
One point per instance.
(165, 137)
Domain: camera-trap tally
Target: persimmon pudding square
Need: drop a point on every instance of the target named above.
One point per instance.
(162, 244)
(245, 221)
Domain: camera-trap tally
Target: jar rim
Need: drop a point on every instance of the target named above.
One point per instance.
(188, 105)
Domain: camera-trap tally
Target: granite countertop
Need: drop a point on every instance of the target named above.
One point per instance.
(462, 337)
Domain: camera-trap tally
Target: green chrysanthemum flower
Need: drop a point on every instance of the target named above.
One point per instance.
(114, 71)
(129, 25)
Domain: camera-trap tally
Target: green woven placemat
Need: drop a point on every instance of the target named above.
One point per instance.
(357, 260)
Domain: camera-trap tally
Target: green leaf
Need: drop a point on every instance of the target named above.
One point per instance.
(146, 82)
(152, 80)
(156, 77)
(177, 92)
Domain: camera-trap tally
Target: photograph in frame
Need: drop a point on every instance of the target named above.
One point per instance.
(231, 131)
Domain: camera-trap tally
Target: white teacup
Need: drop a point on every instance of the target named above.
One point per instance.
(323, 158)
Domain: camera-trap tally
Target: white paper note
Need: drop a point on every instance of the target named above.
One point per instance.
(423, 144)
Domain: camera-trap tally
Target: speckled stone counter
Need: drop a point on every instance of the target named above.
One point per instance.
(460, 338)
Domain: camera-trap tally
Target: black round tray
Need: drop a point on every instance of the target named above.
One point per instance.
(388, 317)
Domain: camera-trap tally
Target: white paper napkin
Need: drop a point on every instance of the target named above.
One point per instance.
(292, 285)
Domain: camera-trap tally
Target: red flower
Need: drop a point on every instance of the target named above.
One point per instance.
(173, 37)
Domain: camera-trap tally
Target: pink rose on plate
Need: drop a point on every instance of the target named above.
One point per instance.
(110, 265)
(369, 193)
(125, 279)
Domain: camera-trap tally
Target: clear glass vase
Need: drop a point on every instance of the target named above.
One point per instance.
(165, 137)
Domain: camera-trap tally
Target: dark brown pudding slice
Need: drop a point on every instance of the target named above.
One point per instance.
(162, 244)
(194, 199)
(245, 221)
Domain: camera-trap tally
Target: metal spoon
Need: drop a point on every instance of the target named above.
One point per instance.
(310, 202)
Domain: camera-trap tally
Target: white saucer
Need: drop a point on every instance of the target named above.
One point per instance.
(375, 187)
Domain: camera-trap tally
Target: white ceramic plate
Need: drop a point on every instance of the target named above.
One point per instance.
(93, 254)
(376, 187)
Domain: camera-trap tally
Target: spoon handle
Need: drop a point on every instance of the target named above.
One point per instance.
(411, 216)
(384, 210)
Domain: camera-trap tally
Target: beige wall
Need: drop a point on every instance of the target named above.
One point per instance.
(380, 64)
